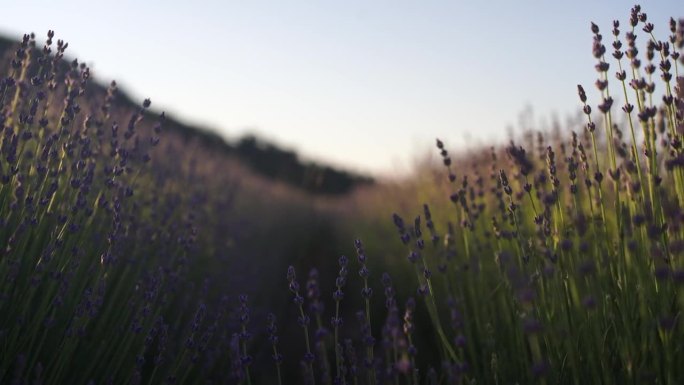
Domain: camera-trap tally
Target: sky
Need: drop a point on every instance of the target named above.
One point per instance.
(365, 85)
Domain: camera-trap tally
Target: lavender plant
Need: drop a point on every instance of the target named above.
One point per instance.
(565, 261)
(99, 238)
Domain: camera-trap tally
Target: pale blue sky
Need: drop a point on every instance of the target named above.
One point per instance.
(362, 84)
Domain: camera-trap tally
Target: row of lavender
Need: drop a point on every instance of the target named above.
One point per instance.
(99, 233)
(554, 262)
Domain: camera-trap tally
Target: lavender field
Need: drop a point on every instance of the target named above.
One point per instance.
(134, 250)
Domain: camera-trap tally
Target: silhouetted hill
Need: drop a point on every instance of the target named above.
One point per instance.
(262, 157)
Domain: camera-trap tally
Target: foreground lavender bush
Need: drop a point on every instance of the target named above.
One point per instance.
(557, 262)
(99, 239)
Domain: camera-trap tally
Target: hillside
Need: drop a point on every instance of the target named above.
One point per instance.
(262, 157)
